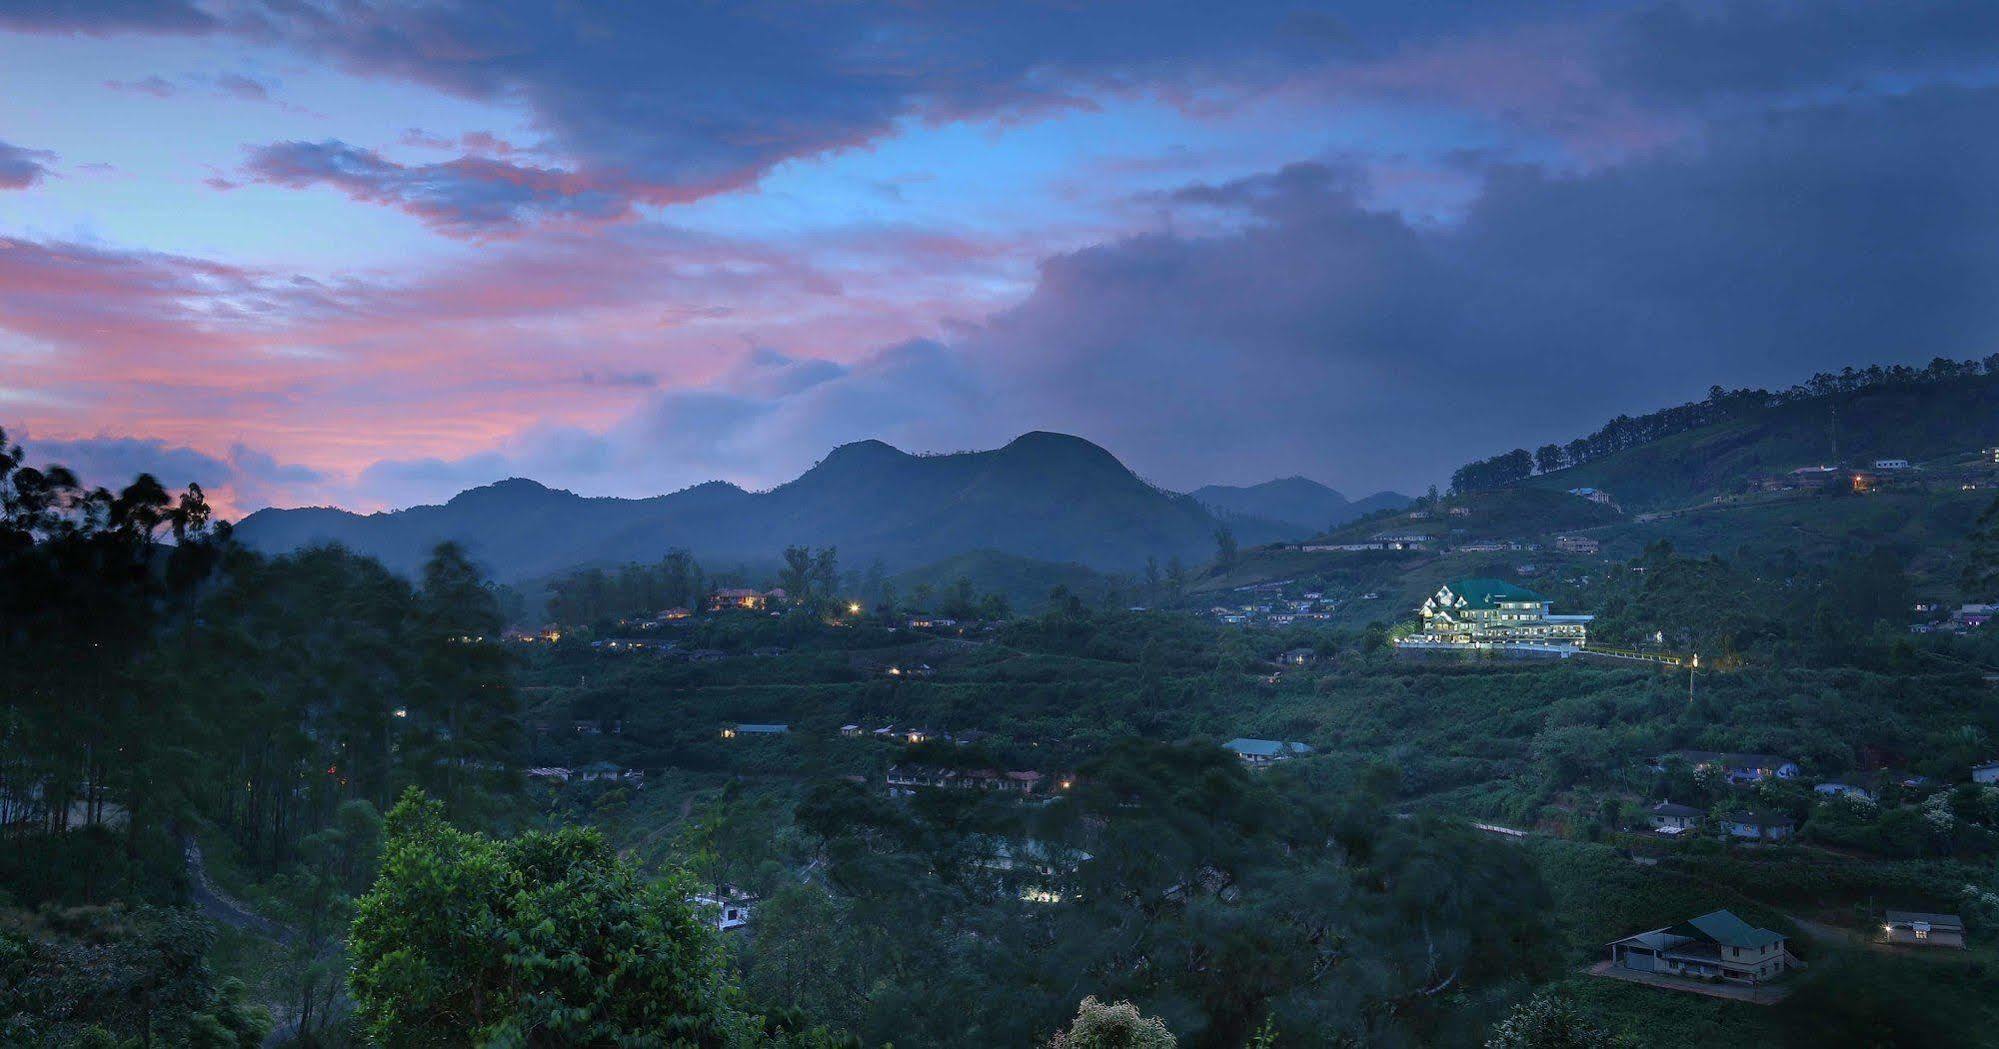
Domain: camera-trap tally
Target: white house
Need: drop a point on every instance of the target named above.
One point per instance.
(728, 907)
(1668, 818)
(1758, 825)
(1922, 929)
(1843, 790)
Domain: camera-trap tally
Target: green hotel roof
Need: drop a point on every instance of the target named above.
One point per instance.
(1486, 593)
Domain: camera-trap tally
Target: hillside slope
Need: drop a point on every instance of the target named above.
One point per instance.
(1299, 502)
(1921, 422)
(1044, 496)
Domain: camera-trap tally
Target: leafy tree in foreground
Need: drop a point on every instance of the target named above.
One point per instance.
(1547, 1021)
(1120, 1026)
(542, 940)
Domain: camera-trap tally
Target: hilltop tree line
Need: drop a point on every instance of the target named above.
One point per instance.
(1625, 432)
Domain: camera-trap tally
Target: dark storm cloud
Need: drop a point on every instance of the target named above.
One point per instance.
(21, 167)
(103, 17)
(1327, 336)
(1692, 50)
(468, 196)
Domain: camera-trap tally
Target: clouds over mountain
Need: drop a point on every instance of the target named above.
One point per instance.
(714, 244)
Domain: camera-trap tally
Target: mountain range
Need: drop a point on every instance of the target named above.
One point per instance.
(1046, 496)
(1299, 502)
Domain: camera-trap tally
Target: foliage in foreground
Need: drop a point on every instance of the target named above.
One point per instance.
(544, 939)
(1119, 1026)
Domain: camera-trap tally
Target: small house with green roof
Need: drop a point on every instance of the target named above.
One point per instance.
(1495, 612)
(1255, 752)
(1715, 946)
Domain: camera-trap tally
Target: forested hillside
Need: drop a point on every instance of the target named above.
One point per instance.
(1689, 452)
(306, 798)
(1299, 502)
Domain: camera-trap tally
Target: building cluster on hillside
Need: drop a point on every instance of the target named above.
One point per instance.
(1965, 618)
(1966, 471)
(746, 599)
(906, 779)
(911, 734)
(1494, 614)
(1279, 603)
(595, 772)
(1741, 772)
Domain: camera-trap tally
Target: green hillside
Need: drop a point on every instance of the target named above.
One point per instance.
(1022, 581)
(1939, 424)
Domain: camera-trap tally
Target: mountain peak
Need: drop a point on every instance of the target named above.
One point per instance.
(870, 450)
(513, 489)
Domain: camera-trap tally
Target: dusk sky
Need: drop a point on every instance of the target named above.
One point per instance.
(375, 253)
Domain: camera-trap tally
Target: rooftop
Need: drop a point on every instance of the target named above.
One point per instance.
(1265, 748)
(1725, 928)
(1487, 593)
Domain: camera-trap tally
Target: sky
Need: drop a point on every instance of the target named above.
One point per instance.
(369, 254)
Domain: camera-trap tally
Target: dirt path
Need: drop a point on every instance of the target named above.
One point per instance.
(220, 906)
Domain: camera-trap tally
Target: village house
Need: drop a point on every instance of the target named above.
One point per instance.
(1257, 752)
(1738, 768)
(903, 780)
(1298, 657)
(728, 907)
(1594, 495)
(850, 731)
(1671, 819)
(1759, 825)
(1891, 464)
(1404, 540)
(1714, 946)
(740, 598)
(1577, 544)
(1922, 929)
(740, 731)
(553, 773)
(1492, 611)
(605, 772)
(1843, 790)
(1973, 616)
